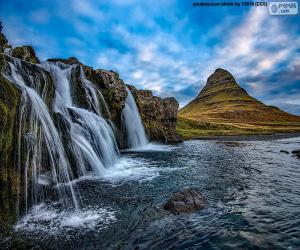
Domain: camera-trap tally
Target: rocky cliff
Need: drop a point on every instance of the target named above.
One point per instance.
(223, 107)
(9, 176)
(159, 115)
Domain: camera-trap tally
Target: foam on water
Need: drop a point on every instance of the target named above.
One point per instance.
(48, 219)
(151, 147)
(129, 169)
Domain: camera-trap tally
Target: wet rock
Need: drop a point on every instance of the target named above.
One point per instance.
(296, 152)
(158, 115)
(187, 201)
(284, 151)
(25, 53)
(3, 41)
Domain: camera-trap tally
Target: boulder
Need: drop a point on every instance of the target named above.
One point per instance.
(297, 153)
(187, 201)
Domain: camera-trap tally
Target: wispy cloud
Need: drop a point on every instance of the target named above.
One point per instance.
(166, 46)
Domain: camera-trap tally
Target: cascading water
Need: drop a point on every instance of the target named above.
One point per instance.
(93, 143)
(41, 132)
(132, 122)
(78, 141)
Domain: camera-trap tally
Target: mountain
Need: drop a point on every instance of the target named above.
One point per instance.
(223, 107)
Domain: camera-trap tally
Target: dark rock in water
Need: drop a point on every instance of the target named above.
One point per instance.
(296, 152)
(284, 151)
(187, 201)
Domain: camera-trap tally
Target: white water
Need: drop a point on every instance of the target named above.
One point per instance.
(42, 131)
(82, 135)
(136, 136)
(75, 144)
(93, 141)
(47, 219)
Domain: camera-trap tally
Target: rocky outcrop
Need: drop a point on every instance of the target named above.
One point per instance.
(3, 41)
(109, 84)
(9, 176)
(187, 201)
(25, 53)
(158, 115)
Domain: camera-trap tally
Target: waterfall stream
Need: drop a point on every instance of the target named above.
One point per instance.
(133, 124)
(42, 132)
(58, 139)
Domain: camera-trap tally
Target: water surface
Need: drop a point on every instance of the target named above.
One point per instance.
(252, 191)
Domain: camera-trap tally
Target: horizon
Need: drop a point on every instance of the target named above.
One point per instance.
(172, 55)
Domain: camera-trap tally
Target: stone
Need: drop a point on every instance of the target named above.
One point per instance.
(25, 53)
(284, 151)
(189, 200)
(158, 115)
(3, 41)
(296, 152)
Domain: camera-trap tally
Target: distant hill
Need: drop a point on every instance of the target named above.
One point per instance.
(223, 107)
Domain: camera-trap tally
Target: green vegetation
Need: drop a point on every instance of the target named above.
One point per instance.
(189, 129)
(224, 108)
(9, 100)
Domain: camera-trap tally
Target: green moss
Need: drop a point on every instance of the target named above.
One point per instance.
(9, 178)
(189, 129)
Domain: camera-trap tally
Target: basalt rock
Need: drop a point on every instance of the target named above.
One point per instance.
(187, 201)
(158, 115)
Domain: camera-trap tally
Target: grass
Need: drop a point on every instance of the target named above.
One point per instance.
(189, 128)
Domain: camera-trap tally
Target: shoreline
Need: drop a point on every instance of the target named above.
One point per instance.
(258, 137)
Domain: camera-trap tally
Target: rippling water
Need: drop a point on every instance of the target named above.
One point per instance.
(253, 194)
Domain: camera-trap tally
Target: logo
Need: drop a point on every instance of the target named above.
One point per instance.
(283, 8)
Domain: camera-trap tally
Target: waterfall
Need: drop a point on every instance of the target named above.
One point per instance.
(132, 122)
(41, 132)
(93, 143)
(58, 139)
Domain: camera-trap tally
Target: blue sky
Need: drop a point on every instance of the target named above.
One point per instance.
(167, 46)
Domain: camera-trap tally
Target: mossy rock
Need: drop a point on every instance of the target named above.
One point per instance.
(25, 53)
(9, 177)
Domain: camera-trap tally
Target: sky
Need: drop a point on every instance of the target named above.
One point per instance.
(169, 47)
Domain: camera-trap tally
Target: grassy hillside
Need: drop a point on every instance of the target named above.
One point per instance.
(224, 108)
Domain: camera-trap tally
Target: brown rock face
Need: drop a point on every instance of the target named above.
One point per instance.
(187, 201)
(159, 115)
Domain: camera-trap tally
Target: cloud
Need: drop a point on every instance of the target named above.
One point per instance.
(40, 16)
(166, 46)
